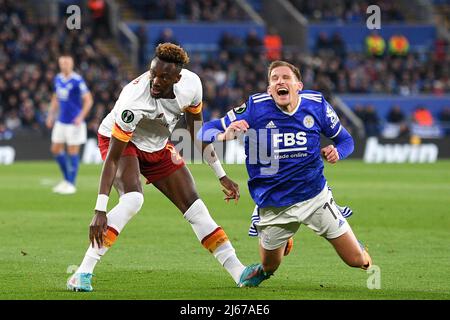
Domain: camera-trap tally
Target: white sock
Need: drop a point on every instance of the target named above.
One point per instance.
(213, 238)
(129, 204)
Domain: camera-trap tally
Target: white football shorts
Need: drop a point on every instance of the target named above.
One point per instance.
(320, 214)
(69, 134)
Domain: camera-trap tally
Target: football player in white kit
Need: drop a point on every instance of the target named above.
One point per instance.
(133, 140)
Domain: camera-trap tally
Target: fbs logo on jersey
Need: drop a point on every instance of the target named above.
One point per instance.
(127, 116)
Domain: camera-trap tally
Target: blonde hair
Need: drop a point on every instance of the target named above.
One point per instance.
(279, 63)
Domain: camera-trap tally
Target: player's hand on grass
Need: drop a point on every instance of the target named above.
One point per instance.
(233, 131)
(330, 153)
(231, 189)
(97, 228)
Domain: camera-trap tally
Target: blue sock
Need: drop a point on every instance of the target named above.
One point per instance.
(62, 161)
(74, 164)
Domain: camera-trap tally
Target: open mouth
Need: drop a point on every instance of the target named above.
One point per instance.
(282, 91)
(154, 91)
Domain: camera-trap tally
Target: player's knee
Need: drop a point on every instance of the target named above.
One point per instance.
(56, 149)
(133, 202)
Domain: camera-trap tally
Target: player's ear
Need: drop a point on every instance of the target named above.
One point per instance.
(300, 86)
(269, 91)
(177, 78)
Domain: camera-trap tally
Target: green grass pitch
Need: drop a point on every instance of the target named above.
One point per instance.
(400, 211)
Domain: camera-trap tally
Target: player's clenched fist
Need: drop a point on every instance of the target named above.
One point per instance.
(330, 153)
(233, 130)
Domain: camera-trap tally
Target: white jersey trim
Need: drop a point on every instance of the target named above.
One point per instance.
(339, 130)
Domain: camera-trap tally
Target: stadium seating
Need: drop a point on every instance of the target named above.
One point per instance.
(231, 63)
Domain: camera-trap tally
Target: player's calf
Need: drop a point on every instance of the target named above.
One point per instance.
(213, 238)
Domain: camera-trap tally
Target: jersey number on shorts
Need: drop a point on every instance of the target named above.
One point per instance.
(328, 205)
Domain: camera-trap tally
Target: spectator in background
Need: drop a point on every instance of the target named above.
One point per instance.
(5, 133)
(444, 118)
(273, 45)
(99, 18)
(322, 43)
(166, 36)
(396, 125)
(338, 45)
(396, 115)
(28, 116)
(231, 44)
(254, 43)
(142, 38)
(12, 120)
(423, 117)
(440, 45)
(360, 112)
(423, 124)
(371, 121)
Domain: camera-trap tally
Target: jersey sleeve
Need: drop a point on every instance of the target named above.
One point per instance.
(83, 87)
(196, 104)
(330, 124)
(125, 123)
(243, 112)
(54, 84)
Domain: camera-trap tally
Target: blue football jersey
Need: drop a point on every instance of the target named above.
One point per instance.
(69, 92)
(283, 149)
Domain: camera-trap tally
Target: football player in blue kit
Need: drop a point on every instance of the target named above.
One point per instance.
(285, 167)
(74, 101)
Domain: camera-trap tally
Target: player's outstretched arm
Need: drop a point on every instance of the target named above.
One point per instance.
(98, 224)
(209, 155)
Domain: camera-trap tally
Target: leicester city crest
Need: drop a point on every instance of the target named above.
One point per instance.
(308, 122)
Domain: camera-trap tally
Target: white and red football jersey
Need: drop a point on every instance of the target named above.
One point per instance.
(149, 122)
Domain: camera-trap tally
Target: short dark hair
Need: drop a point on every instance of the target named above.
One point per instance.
(66, 54)
(279, 63)
(172, 53)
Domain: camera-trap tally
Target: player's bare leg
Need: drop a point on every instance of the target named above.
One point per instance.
(57, 148)
(350, 251)
(128, 185)
(179, 187)
(271, 259)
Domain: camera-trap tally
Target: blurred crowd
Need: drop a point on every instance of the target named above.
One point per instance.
(420, 122)
(347, 10)
(362, 72)
(28, 64)
(29, 52)
(188, 10)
